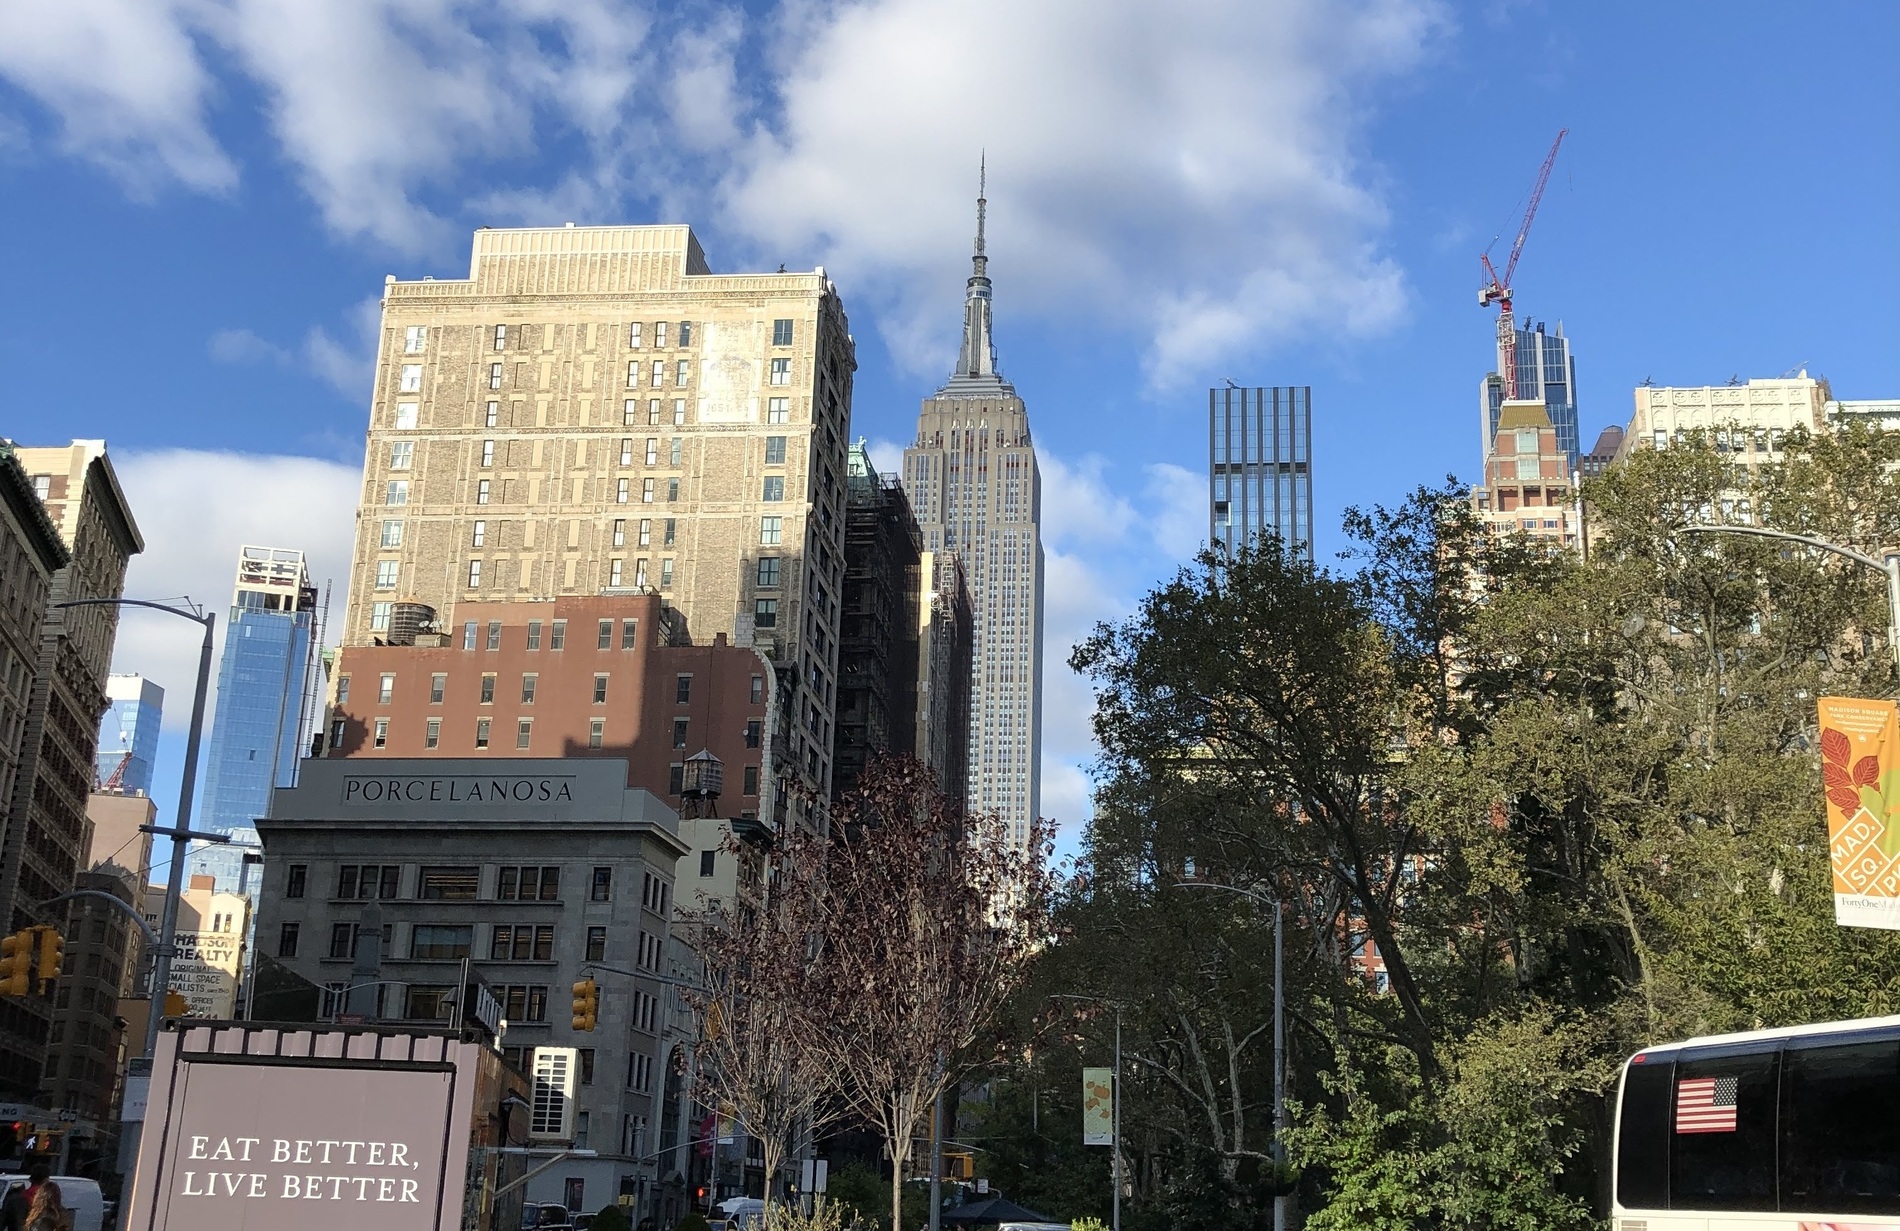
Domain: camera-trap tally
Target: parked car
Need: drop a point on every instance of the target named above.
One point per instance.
(546, 1216)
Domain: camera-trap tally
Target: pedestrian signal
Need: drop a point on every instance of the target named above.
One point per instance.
(586, 1004)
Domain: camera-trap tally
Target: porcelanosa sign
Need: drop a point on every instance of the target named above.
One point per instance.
(458, 789)
(296, 1147)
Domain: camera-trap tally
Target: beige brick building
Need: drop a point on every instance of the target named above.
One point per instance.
(594, 411)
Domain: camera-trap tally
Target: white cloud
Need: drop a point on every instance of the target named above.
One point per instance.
(346, 364)
(886, 455)
(242, 346)
(195, 510)
(1079, 504)
(1177, 509)
(1183, 171)
(126, 84)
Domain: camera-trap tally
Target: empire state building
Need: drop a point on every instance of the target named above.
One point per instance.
(972, 480)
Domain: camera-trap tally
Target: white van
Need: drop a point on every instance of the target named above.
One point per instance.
(81, 1196)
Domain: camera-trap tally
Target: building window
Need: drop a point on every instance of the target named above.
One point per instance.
(362, 882)
(686, 333)
(411, 378)
(758, 691)
(653, 450)
(666, 572)
(287, 940)
(386, 573)
(706, 862)
(392, 534)
(523, 942)
(406, 415)
(481, 733)
(754, 730)
(659, 373)
(341, 936)
(623, 490)
(439, 942)
(492, 415)
(774, 489)
(494, 634)
(474, 574)
(679, 412)
(488, 689)
(479, 536)
(397, 492)
(600, 689)
(781, 371)
(775, 450)
(675, 779)
(534, 634)
(629, 412)
(672, 490)
(646, 491)
(768, 572)
(633, 374)
(468, 635)
(481, 491)
(666, 539)
(604, 635)
(448, 884)
(646, 531)
(337, 727)
(781, 333)
(659, 335)
(501, 337)
(528, 681)
(765, 613)
(633, 335)
(629, 634)
(675, 450)
(769, 530)
(412, 339)
(679, 732)
(680, 369)
(778, 410)
(596, 944)
(382, 732)
(402, 454)
(521, 1003)
(653, 412)
(438, 684)
(494, 376)
(432, 734)
(596, 732)
(587, 1066)
(602, 889)
(751, 778)
(488, 453)
(385, 688)
(534, 883)
(296, 879)
(682, 689)
(557, 638)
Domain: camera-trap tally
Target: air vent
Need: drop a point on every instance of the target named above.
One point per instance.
(1632, 1224)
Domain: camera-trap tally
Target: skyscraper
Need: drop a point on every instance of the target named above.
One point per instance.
(1259, 462)
(1545, 373)
(973, 482)
(258, 732)
(128, 734)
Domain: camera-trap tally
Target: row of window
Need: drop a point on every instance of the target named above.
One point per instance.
(508, 942)
(416, 337)
(450, 883)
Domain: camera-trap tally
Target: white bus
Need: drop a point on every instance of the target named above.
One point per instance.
(1783, 1130)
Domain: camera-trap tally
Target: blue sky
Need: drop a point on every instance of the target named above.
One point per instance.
(203, 197)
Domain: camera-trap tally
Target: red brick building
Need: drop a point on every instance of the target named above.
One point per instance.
(574, 677)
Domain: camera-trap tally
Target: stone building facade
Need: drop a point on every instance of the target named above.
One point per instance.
(593, 410)
(1746, 420)
(47, 830)
(1527, 485)
(395, 875)
(31, 554)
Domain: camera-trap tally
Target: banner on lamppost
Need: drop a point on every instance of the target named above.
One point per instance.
(1098, 1107)
(1860, 775)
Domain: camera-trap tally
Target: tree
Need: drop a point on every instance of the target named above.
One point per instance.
(929, 919)
(762, 1050)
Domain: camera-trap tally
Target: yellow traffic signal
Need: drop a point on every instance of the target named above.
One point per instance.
(52, 949)
(16, 963)
(176, 1005)
(715, 1022)
(586, 1004)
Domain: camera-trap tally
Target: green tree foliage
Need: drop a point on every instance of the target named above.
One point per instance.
(611, 1218)
(1571, 803)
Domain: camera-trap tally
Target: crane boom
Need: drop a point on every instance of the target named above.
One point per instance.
(1497, 289)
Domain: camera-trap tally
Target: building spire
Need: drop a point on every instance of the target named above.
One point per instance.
(978, 357)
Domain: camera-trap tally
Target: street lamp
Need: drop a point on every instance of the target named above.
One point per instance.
(1890, 567)
(180, 833)
(1279, 1026)
(1116, 1207)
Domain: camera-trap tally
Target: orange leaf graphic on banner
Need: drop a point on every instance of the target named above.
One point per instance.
(1844, 798)
(1867, 771)
(1836, 777)
(1835, 747)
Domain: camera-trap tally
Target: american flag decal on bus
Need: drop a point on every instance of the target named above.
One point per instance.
(1706, 1104)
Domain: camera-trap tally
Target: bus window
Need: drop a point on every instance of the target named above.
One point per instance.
(1722, 1149)
(1840, 1139)
(1642, 1136)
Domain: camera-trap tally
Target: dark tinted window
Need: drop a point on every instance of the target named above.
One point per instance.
(1642, 1140)
(449, 884)
(1722, 1147)
(1840, 1134)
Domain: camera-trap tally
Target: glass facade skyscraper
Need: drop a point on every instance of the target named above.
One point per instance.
(128, 734)
(1546, 372)
(1260, 479)
(257, 735)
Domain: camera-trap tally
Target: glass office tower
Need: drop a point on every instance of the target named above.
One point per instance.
(128, 734)
(257, 735)
(1545, 372)
(1260, 449)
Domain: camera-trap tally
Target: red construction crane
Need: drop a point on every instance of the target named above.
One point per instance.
(1498, 289)
(116, 781)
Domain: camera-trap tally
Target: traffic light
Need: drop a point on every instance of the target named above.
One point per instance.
(586, 1004)
(52, 949)
(715, 1022)
(176, 1005)
(16, 963)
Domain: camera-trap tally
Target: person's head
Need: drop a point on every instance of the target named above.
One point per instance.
(47, 1200)
(39, 1174)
